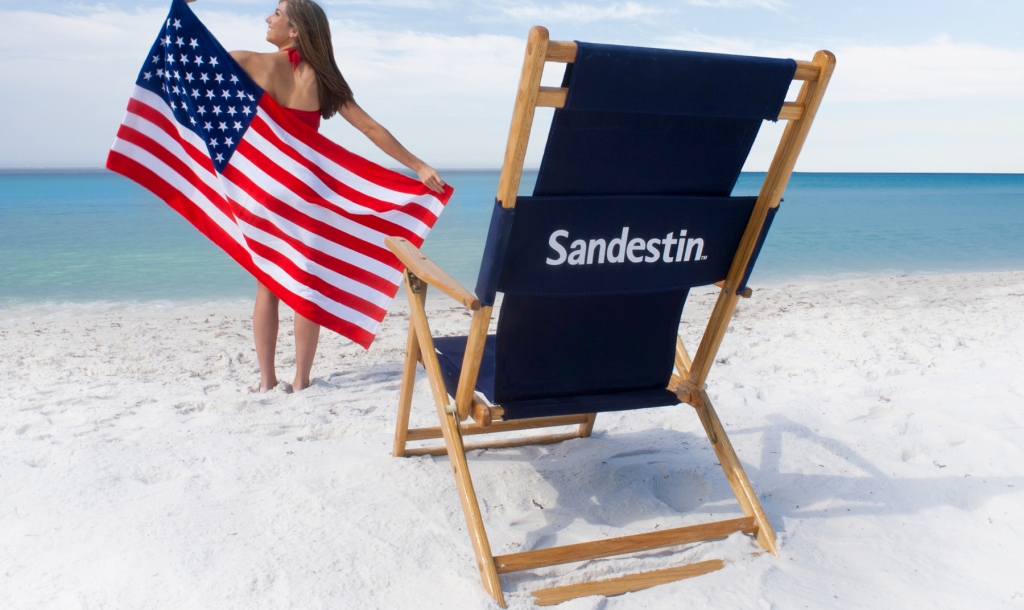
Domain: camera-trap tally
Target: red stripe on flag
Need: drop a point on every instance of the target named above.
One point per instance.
(153, 116)
(413, 210)
(176, 164)
(307, 194)
(317, 283)
(141, 174)
(368, 170)
(134, 170)
(356, 274)
(312, 225)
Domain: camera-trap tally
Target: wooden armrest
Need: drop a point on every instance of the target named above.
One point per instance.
(428, 271)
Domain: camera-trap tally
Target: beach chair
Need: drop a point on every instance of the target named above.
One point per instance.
(631, 209)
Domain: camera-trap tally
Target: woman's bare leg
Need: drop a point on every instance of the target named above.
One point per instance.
(306, 336)
(264, 329)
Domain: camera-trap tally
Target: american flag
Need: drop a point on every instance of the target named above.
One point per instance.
(303, 215)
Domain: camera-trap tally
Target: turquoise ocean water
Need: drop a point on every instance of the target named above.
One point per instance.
(92, 235)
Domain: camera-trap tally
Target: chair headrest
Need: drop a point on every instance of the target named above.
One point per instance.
(611, 78)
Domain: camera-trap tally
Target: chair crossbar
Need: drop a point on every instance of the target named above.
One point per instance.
(548, 439)
(422, 434)
(571, 553)
(554, 97)
(624, 584)
(565, 53)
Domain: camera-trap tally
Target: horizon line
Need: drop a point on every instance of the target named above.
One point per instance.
(101, 169)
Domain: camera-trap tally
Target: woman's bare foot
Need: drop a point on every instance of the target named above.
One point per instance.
(300, 384)
(266, 387)
(283, 386)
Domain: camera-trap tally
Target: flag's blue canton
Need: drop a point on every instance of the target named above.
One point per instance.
(207, 91)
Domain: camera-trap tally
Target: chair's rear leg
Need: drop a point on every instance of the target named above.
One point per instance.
(734, 472)
(587, 427)
(412, 357)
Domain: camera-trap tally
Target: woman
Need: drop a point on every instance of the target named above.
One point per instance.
(304, 78)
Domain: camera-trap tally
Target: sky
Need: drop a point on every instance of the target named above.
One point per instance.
(919, 86)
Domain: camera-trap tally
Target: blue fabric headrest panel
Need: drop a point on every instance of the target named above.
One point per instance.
(658, 122)
(562, 246)
(610, 78)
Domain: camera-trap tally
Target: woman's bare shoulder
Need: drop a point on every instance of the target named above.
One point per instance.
(254, 62)
(267, 69)
(259, 60)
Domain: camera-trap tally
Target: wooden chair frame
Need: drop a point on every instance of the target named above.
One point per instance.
(688, 383)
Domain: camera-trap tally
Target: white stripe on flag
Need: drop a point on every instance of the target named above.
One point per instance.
(346, 284)
(167, 142)
(182, 185)
(310, 179)
(154, 101)
(313, 240)
(309, 294)
(344, 175)
(275, 189)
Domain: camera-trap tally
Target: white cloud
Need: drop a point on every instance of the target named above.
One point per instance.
(418, 4)
(578, 13)
(937, 106)
(67, 79)
(936, 70)
(940, 69)
(767, 4)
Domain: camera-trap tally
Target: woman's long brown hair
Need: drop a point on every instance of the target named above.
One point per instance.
(316, 48)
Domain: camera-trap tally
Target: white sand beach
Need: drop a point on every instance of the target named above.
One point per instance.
(880, 419)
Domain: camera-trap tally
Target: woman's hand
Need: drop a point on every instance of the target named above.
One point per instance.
(429, 176)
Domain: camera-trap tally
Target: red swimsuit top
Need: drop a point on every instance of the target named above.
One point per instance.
(309, 117)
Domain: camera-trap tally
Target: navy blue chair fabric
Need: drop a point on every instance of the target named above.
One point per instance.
(595, 267)
(757, 248)
(636, 80)
(494, 252)
(658, 122)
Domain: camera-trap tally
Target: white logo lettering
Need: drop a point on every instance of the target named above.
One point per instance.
(557, 247)
(618, 250)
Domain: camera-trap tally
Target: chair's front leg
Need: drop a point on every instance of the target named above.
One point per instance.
(456, 451)
(412, 357)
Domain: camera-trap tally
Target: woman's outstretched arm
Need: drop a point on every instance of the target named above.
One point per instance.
(387, 142)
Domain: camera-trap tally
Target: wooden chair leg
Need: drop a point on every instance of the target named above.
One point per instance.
(412, 357)
(588, 426)
(456, 451)
(734, 472)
